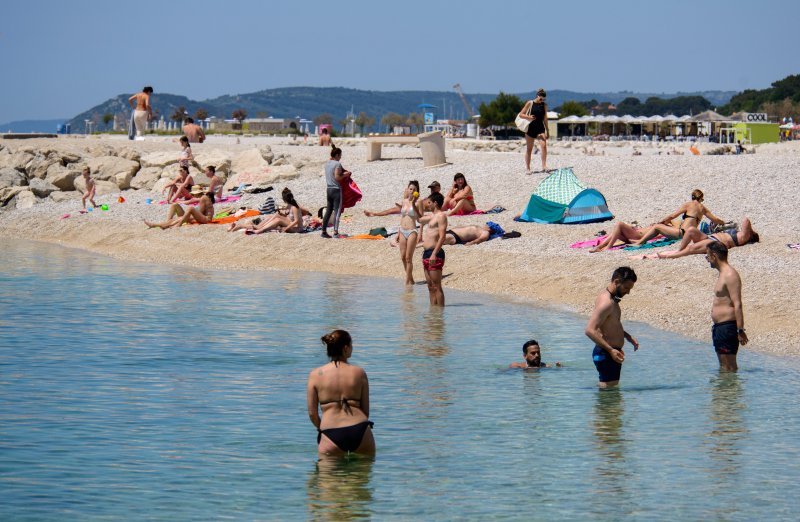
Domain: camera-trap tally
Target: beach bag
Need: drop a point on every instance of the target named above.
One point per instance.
(268, 207)
(521, 123)
(380, 231)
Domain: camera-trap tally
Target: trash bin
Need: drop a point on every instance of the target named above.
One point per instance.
(432, 146)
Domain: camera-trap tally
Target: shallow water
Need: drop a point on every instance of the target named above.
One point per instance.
(130, 392)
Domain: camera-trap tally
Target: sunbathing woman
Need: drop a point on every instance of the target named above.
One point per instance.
(341, 391)
(691, 213)
(696, 242)
(202, 214)
(409, 233)
(459, 201)
(291, 222)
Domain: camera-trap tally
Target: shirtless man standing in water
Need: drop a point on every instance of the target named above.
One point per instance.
(605, 327)
(432, 241)
(726, 309)
(143, 111)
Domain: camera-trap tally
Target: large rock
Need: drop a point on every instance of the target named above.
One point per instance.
(7, 194)
(220, 159)
(146, 178)
(58, 197)
(158, 186)
(113, 168)
(62, 177)
(103, 186)
(264, 177)
(129, 153)
(41, 188)
(68, 157)
(10, 177)
(25, 199)
(38, 166)
(159, 159)
(172, 171)
(18, 160)
(266, 153)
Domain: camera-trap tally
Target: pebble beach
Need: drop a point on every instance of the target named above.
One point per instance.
(537, 267)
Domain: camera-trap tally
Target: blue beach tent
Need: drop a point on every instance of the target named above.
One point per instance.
(562, 198)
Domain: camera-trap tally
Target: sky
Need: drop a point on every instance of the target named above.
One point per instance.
(60, 58)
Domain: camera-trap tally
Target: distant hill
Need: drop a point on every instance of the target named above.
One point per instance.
(309, 102)
(753, 100)
(32, 125)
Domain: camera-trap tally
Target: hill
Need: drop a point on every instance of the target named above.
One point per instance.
(309, 102)
(766, 100)
(32, 125)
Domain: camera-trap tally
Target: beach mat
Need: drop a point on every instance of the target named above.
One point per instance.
(232, 219)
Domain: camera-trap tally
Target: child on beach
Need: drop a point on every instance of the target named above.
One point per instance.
(186, 153)
(90, 188)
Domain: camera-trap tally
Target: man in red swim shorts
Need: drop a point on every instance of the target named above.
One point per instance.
(432, 241)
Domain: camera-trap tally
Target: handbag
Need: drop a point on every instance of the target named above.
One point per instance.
(521, 123)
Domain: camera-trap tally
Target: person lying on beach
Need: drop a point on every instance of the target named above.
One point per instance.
(91, 188)
(532, 354)
(695, 242)
(469, 235)
(177, 216)
(291, 222)
(691, 213)
(181, 187)
(459, 200)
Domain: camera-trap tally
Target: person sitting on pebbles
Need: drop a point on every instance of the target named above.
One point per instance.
(181, 187)
(290, 222)
(177, 216)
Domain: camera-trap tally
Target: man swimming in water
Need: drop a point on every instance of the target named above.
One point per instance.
(432, 241)
(469, 235)
(605, 327)
(726, 308)
(533, 357)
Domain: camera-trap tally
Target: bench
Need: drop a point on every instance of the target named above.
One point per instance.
(374, 143)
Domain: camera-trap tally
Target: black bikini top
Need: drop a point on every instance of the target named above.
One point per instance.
(343, 402)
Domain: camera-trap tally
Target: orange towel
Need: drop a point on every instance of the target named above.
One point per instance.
(366, 236)
(230, 219)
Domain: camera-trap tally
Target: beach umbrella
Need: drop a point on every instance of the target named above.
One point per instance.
(613, 119)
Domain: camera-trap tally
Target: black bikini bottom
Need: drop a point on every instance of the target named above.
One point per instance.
(348, 438)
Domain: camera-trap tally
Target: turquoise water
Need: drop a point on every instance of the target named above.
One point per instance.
(136, 392)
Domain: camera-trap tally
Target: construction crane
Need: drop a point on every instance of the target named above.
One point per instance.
(469, 109)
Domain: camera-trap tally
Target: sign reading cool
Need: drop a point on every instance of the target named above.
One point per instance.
(757, 117)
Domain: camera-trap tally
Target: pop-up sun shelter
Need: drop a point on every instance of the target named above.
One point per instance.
(561, 198)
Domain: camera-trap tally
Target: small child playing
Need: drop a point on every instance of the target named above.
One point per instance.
(186, 156)
(90, 188)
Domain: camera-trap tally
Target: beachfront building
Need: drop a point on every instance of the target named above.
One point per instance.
(750, 127)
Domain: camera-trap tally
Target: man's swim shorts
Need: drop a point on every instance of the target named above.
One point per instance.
(726, 338)
(433, 265)
(607, 367)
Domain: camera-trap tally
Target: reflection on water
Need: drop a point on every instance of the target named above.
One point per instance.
(340, 489)
(728, 428)
(612, 472)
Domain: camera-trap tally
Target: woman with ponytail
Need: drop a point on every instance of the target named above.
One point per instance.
(291, 221)
(334, 175)
(341, 392)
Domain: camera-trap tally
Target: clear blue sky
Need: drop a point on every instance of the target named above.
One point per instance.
(62, 57)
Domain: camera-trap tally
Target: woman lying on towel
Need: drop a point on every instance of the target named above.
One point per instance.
(691, 213)
(696, 242)
(202, 214)
(290, 222)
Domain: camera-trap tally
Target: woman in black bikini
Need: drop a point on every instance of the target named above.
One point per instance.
(537, 130)
(341, 391)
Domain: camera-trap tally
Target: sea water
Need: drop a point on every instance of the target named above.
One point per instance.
(130, 391)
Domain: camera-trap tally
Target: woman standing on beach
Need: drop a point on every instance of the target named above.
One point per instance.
(537, 130)
(334, 175)
(408, 234)
(341, 391)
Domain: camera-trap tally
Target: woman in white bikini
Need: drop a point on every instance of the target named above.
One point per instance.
(408, 235)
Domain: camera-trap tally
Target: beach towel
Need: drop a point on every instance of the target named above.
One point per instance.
(351, 194)
(496, 210)
(238, 190)
(653, 243)
(495, 230)
(228, 199)
(231, 219)
(366, 236)
(473, 213)
(794, 246)
(131, 128)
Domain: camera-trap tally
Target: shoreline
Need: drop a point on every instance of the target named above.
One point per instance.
(539, 268)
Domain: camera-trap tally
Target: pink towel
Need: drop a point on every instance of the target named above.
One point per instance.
(589, 243)
(473, 213)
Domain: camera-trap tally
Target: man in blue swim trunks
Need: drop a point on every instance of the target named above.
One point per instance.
(726, 308)
(605, 327)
